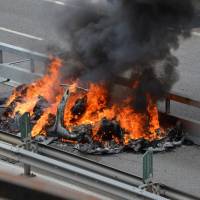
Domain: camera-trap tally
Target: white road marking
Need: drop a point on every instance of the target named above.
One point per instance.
(56, 2)
(20, 33)
(61, 3)
(196, 33)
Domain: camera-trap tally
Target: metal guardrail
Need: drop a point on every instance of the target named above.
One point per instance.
(96, 181)
(25, 53)
(85, 163)
(181, 99)
(69, 157)
(18, 74)
(170, 97)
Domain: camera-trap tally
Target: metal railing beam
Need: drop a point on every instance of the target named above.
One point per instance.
(23, 52)
(18, 74)
(94, 180)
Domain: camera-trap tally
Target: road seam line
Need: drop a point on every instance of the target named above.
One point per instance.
(56, 2)
(196, 33)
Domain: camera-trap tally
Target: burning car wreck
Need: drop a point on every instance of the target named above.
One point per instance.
(129, 36)
(84, 118)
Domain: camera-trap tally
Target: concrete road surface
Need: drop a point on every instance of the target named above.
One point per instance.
(33, 24)
(30, 23)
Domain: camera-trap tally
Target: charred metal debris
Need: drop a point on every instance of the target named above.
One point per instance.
(109, 138)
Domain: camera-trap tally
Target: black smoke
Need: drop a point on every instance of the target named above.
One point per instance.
(109, 37)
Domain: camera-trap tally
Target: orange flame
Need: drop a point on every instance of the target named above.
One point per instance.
(135, 125)
(43, 121)
(47, 86)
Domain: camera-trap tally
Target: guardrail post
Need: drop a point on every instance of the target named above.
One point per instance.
(27, 170)
(167, 105)
(148, 183)
(148, 167)
(1, 56)
(25, 128)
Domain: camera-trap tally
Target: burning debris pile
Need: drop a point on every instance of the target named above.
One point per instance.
(85, 117)
(128, 35)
